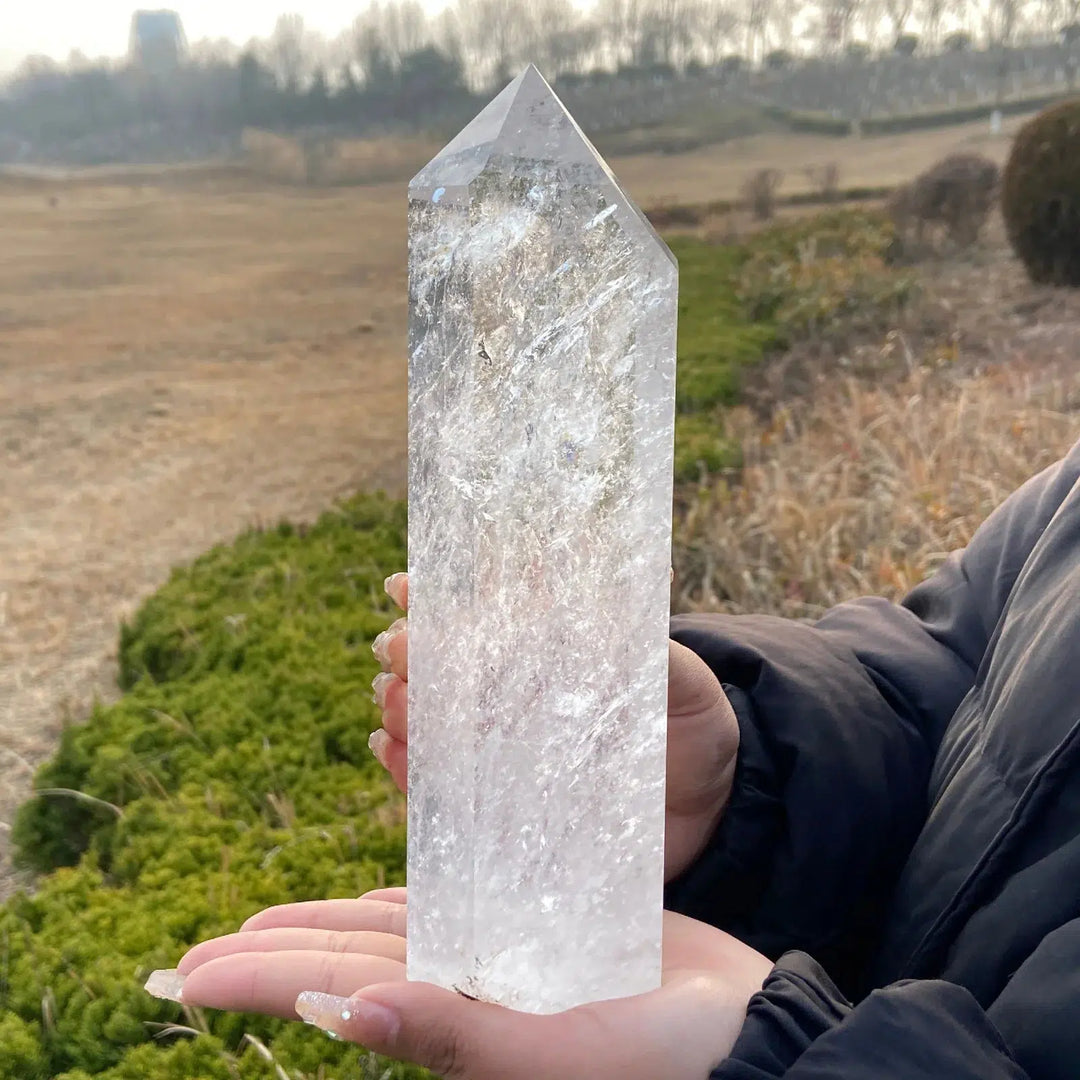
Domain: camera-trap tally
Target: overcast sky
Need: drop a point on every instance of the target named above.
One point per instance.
(100, 27)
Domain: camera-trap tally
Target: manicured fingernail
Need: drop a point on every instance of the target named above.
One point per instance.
(380, 684)
(167, 984)
(378, 741)
(378, 647)
(360, 1020)
(394, 585)
(381, 645)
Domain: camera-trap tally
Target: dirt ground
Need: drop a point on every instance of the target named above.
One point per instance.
(175, 365)
(186, 354)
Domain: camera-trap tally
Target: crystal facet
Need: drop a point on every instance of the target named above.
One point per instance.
(541, 409)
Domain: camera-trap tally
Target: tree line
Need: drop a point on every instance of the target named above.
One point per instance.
(396, 65)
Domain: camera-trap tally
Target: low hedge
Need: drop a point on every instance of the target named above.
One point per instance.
(811, 123)
(233, 774)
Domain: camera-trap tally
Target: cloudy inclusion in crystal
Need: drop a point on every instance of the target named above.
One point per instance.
(541, 408)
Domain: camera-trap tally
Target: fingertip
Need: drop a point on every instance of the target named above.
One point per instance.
(191, 959)
(397, 588)
(378, 743)
(397, 650)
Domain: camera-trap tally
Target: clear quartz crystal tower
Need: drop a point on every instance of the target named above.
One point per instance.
(542, 324)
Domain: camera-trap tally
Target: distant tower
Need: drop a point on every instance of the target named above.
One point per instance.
(158, 44)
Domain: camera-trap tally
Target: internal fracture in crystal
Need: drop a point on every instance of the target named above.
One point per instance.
(541, 407)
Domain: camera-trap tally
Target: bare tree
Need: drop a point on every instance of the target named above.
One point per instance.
(494, 35)
(868, 18)
(286, 52)
(999, 21)
(782, 18)
(837, 20)
(294, 53)
(931, 16)
(621, 26)
(213, 51)
(405, 29)
(717, 29)
(898, 11)
(560, 38)
(672, 28)
(756, 17)
(446, 36)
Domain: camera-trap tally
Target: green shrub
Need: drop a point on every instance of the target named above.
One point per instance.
(232, 775)
(826, 273)
(1041, 195)
(812, 123)
(718, 342)
(740, 302)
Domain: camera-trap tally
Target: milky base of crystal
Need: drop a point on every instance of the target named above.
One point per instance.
(541, 407)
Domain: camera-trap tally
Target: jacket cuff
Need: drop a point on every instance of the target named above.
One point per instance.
(800, 1027)
(796, 1005)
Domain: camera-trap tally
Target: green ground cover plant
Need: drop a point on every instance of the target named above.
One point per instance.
(819, 277)
(233, 773)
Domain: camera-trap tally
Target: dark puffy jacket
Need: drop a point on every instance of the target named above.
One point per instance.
(906, 813)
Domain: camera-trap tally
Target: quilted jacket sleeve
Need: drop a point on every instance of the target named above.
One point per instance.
(839, 722)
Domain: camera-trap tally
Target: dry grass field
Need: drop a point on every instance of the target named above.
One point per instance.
(185, 354)
(175, 364)
(718, 172)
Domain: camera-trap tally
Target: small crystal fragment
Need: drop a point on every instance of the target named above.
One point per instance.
(541, 410)
(166, 983)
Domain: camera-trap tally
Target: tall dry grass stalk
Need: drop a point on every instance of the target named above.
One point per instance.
(865, 490)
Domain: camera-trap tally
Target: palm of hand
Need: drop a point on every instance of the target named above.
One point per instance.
(346, 947)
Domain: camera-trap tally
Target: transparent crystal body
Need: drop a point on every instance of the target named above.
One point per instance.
(543, 313)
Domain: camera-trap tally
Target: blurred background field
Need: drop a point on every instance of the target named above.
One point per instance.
(202, 335)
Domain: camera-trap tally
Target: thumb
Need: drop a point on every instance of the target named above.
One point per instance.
(453, 1036)
(682, 1030)
(693, 689)
(703, 734)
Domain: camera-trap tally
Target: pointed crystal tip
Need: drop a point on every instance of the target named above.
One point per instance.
(526, 121)
(167, 984)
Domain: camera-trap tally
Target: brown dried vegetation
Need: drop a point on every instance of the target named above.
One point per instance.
(956, 194)
(863, 491)
(759, 193)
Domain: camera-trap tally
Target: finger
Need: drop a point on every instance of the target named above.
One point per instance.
(377, 916)
(391, 649)
(397, 588)
(453, 1036)
(397, 649)
(703, 735)
(294, 939)
(692, 686)
(392, 697)
(396, 895)
(392, 755)
(269, 982)
(682, 1029)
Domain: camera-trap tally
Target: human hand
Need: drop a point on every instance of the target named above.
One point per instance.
(703, 736)
(340, 964)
